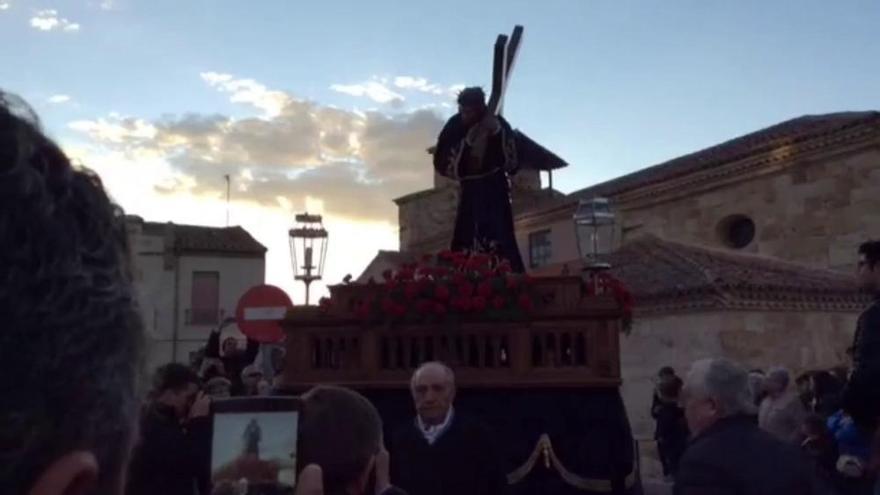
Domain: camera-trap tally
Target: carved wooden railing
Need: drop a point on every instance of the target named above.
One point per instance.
(567, 340)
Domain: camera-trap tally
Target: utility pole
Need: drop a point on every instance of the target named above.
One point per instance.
(227, 199)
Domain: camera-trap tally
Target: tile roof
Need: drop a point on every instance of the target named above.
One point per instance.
(385, 260)
(665, 275)
(197, 238)
(787, 133)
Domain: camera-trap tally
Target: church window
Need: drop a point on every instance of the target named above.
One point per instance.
(540, 248)
(737, 231)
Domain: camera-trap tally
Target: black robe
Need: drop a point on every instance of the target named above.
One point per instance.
(484, 221)
(462, 461)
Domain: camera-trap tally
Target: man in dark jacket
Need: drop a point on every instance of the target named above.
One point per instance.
(861, 398)
(442, 452)
(173, 455)
(729, 454)
(234, 359)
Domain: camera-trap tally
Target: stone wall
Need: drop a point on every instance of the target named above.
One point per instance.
(799, 341)
(814, 213)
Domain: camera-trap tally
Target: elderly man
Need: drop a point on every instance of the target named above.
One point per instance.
(728, 453)
(441, 451)
(782, 412)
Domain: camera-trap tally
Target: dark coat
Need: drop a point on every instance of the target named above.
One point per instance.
(170, 458)
(735, 457)
(861, 397)
(462, 461)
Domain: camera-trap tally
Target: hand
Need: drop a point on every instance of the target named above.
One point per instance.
(201, 406)
(310, 481)
(383, 471)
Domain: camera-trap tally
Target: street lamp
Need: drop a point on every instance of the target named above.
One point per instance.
(594, 226)
(308, 249)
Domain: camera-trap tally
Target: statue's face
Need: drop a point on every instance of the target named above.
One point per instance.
(470, 115)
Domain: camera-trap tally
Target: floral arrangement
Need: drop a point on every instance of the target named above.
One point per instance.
(449, 285)
(603, 283)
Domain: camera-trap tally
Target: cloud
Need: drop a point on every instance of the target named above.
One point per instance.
(49, 20)
(355, 163)
(5, 5)
(248, 91)
(58, 99)
(375, 90)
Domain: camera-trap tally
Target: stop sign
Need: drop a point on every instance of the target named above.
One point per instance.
(260, 311)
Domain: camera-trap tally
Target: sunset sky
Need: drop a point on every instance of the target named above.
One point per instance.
(328, 106)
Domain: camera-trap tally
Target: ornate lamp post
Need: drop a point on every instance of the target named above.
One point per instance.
(595, 226)
(308, 249)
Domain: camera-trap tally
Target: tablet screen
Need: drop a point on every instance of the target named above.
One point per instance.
(254, 453)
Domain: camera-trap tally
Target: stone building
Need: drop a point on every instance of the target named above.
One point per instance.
(745, 249)
(189, 278)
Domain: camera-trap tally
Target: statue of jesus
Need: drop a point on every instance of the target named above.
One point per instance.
(477, 148)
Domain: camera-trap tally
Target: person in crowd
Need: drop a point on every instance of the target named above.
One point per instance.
(861, 398)
(826, 393)
(804, 388)
(211, 368)
(233, 358)
(665, 373)
(820, 445)
(172, 455)
(71, 337)
(756, 391)
(252, 381)
(671, 432)
(729, 454)
(218, 388)
(442, 451)
(854, 447)
(781, 412)
(340, 443)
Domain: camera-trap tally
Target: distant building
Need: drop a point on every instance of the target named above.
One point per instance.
(189, 278)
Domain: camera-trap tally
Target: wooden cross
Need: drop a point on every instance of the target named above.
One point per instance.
(506, 50)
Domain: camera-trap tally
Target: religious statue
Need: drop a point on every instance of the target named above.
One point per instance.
(478, 148)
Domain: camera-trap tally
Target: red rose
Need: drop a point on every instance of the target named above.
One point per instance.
(445, 255)
(466, 289)
(485, 289)
(441, 292)
(525, 302)
(399, 310)
(504, 267)
(478, 303)
(458, 278)
(427, 258)
(387, 275)
(363, 311)
(425, 271)
(424, 306)
(411, 290)
(499, 302)
(512, 283)
(462, 304)
(388, 306)
(441, 272)
(439, 309)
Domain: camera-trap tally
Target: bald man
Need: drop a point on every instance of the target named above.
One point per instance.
(442, 452)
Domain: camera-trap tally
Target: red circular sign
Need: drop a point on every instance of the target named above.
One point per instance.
(260, 311)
